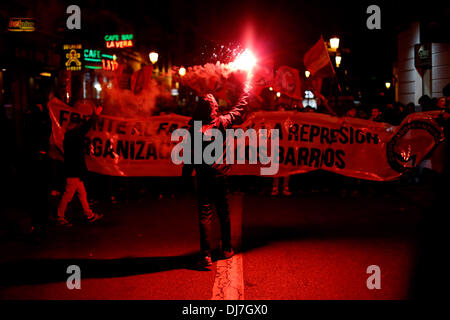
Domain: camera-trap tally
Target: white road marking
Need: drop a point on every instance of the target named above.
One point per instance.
(229, 281)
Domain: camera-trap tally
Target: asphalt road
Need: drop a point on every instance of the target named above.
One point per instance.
(307, 246)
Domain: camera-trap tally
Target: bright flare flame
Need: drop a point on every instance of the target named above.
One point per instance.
(245, 61)
(182, 71)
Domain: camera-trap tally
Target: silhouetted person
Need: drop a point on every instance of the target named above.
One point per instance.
(410, 108)
(75, 168)
(375, 115)
(212, 186)
(425, 103)
(390, 115)
(351, 112)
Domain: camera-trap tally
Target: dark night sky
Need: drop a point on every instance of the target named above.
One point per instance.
(280, 29)
(285, 30)
(288, 28)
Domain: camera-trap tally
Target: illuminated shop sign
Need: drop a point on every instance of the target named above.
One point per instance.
(117, 41)
(110, 65)
(95, 59)
(21, 24)
(92, 55)
(422, 56)
(72, 56)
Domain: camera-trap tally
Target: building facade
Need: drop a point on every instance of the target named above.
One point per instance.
(423, 63)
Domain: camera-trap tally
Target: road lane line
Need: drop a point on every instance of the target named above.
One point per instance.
(229, 280)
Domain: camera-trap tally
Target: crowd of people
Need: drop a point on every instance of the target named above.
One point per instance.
(389, 112)
(43, 176)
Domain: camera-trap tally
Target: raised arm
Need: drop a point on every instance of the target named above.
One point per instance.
(237, 113)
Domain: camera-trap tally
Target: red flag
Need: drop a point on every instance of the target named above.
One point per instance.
(317, 61)
(141, 79)
(287, 81)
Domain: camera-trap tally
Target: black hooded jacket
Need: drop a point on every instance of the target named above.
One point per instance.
(74, 149)
(207, 112)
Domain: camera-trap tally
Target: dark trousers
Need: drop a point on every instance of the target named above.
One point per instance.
(213, 190)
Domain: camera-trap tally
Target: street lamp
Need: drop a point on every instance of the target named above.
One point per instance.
(338, 60)
(334, 43)
(307, 74)
(388, 85)
(153, 57)
(182, 71)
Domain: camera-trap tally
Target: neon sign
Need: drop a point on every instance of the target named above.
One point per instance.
(73, 55)
(110, 65)
(21, 25)
(98, 60)
(92, 55)
(119, 41)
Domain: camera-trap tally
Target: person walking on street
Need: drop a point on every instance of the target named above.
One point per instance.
(75, 168)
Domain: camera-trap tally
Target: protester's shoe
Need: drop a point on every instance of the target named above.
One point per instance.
(63, 222)
(274, 192)
(94, 217)
(287, 193)
(227, 254)
(204, 262)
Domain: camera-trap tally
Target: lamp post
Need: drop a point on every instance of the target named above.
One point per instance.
(334, 43)
(153, 56)
(334, 46)
(338, 61)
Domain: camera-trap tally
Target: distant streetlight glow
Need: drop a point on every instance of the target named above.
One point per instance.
(46, 74)
(338, 61)
(388, 85)
(307, 73)
(334, 43)
(153, 57)
(182, 71)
